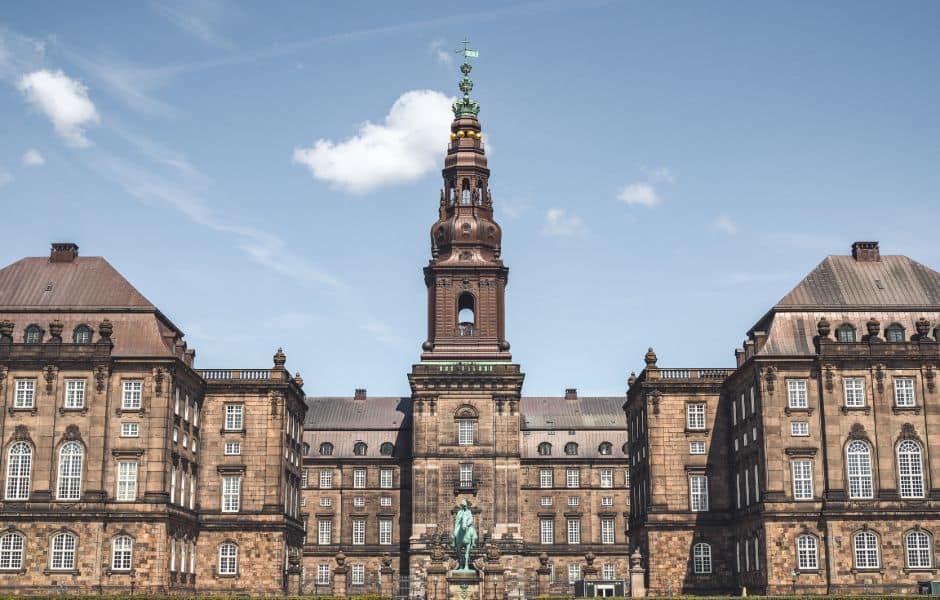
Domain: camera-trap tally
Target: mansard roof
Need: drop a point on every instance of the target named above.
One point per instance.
(347, 412)
(598, 412)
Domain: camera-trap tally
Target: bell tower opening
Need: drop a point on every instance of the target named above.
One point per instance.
(466, 315)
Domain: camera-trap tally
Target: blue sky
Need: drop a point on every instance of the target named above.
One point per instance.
(663, 172)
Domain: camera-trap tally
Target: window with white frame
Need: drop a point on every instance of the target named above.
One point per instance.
(904, 392)
(607, 478)
(25, 393)
(358, 574)
(702, 558)
(326, 479)
(359, 532)
(324, 532)
(807, 552)
(386, 478)
(802, 472)
(547, 531)
(62, 554)
(607, 501)
(234, 417)
(385, 531)
(858, 466)
(71, 456)
(574, 573)
(796, 393)
(19, 471)
(573, 478)
(546, 501)
(131, 394)
(130, 429)
(126, 481)
(385, 501)
(697, 447)
(574, 531)
(698, 493)
(918, 551)
(323, 574)
(326, 501)
(466, 475)
(359, 478)
(228, 559)
(608, 571)
(867, 553)
(74, 393)
(359, 501)
(465, 429)
(12, 546)
(799, 428)
(607, 531)
(231, 493)
(574, 501)
(545, 478)
(122, 553)
(854, 388)
(233, 448)
(910, 470)
(695, 415)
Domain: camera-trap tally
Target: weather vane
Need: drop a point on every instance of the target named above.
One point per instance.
(466, 107)
(467, 52)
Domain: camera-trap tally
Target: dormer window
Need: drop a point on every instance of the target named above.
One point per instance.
(845, 333)
(82, 335)
(386, 449)
(545, 449)
(33, 335)
(894, 333)
(326, 449)
(605, 449)
(360, 449)
(571, 449)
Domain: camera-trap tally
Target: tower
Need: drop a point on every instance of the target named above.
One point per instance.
(465, 390)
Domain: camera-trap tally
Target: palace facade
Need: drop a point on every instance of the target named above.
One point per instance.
(812, 466)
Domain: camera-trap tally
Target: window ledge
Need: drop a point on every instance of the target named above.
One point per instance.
(22, 409)
(82, 410)
(696, 431)
(868, 571)
(18, 571)
(241, 431)
(48, 571)
(862, 409)
(919, 569)
(806, 410)
(905, 409)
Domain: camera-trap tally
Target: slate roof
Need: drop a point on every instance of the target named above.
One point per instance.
(598, 412)
(345, 412)
(86, 282)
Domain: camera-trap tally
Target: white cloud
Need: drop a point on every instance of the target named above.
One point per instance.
(639, 194)
(559, 223)
(724, 224)
(64, 101)
(32, 158)
(659, 175)
(443, 56)
(407, 145)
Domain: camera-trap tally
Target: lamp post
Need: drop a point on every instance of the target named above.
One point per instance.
(793, 575)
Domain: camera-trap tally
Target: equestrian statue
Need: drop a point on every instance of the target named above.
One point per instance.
(465, 536)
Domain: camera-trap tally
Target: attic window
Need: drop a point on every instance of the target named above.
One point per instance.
(33, 335)
(360, 449)
(82, 335)
(894, 333)
(879, 285)
(571, 449)
(386, 449)
(49, 286)
(845, 333)
(326, 449)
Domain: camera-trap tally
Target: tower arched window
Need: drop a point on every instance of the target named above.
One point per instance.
(571, 449)
(465, 192)
(910, 470)
(70, 471)
(82, 335)
(479, 193)
(702, 558)
(605, 449)
(466, 314)
(545, 449)
(326, 449)
(918, 550)
(19, 471)
(894, 333)
(33, 335)
(858, 466)
(867, 552)
(360, 449)
(12, 545)
(845, 333)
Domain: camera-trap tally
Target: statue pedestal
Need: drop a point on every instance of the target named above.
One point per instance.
(463, 585)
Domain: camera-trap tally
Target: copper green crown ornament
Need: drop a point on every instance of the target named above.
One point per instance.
(466, 107)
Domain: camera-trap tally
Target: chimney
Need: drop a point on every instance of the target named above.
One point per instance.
(866, 252)
(189, 358)
(63, 252)
(739, 356)
(360, 394)
(571, 394)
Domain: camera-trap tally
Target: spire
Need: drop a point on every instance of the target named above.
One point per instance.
(466, 107)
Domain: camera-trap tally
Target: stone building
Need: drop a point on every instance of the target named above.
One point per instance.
(811, 466)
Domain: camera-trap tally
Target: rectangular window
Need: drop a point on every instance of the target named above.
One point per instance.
(359, 501)
(25, 393)
(127, 481)
(385, 501)
(574, 573)
(234, 417)
(796, 393)
(233, 448)
(904, 392)
(546, 501)
(465, 432)
(545, 478)
(607, 478)
(359, 478)
(854, 392)
(698, 493)
(326, 479)
(573, 478)
(802, 471)
(466, 475)
(358, 574)
(607, 531)
(574, 531)
(385, 531)
(130, 429)
(799, 428)
(697, 447)
(324, 501)
(608, 572)
(304, 476)
(573, 501)
(75, 393)
(323, 574)
(695, 415)
(324, 532)
(547, 531)
(231, 493)
(131, 397)
(607, 501)
(386, 478)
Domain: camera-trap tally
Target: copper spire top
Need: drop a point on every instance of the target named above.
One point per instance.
(466, 107)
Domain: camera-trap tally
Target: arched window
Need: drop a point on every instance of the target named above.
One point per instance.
(82, 335)
(894, 333)
(122, 553)
(70, 471)
(62, 551)
(11, 550)
(305, 447)
(466, 314)
(360, 449)
(605, 449)
(845, 333)
(19, 469)
(386, 449)
(326, 449)
(918, 551)
(545, 449)
(228, 559)
(465, 418)
(702, 558)
(807, 552)
(625, 448)
(33, 335)
(571, 449)
(858, 466)
(910, 470)
(465, 193)
(867, 555)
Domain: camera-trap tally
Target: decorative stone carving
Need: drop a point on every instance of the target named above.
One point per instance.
(930, 376)
(21, 434)
(908, 432)
(654, 397)
(276, 398)
(101, 376)
(828, 376)
(105, 329)
(923, 329)
(6, 331)
(650, 358)
(279, 359)
(770, 376)
(298, 380)
(158, 380)
(55, 331)
(48, 373)
(72, 433)
(880, 377)
(823, 328)
(874, 328)
(858, 432)
(631, 380)
(340, 559)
